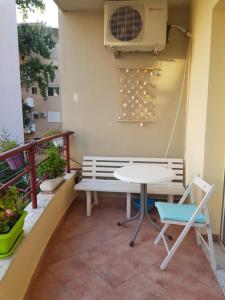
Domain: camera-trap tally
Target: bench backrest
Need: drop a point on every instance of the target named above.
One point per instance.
(101, 167)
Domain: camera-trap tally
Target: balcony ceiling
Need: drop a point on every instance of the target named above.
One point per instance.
(69, 5)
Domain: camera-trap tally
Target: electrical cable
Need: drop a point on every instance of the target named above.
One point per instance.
(180, 100)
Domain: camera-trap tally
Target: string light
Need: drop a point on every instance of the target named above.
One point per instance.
(136, 86)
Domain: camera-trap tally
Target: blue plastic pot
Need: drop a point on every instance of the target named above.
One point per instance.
(150, 203)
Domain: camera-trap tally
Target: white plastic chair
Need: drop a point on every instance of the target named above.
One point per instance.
(187, 215)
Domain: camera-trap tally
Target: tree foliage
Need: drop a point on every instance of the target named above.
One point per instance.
(35, 45)
(30, 5)
(35, 39)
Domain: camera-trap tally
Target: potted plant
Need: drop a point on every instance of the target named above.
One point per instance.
(16, 161)
(54, 167)
(59, 142)
(12, 215)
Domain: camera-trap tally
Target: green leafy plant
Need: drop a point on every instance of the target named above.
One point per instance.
(26, 116)
(54, 166)
(29, 5)
(5, 142)
(51, 132)
(35, 45)
(11, 208)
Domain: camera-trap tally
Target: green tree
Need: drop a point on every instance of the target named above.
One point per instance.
(35, 45)
(29, 5)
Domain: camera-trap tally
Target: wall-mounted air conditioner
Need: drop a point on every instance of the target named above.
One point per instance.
(135, 25)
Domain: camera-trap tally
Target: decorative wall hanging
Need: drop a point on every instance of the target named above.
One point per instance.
(137, 99)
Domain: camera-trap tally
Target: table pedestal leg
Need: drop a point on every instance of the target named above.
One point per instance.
(140, 215)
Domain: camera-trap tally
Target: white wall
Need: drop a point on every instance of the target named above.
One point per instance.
(10, 95)
(214, 162)
(90, 89)
(198, 89)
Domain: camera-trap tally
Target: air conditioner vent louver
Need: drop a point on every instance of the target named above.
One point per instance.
(126, 23)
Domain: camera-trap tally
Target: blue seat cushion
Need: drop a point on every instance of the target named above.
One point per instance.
(178, 212)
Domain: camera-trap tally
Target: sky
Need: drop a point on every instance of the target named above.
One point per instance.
(49, 16)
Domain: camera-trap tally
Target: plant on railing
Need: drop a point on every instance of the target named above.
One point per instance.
(51, 132)
(12, 215)
(59, 142)
(54, 167)
(16, 161)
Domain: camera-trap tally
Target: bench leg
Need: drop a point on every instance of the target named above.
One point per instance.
(95, 198)
(128, 205)
(89, 204)
(170, 198)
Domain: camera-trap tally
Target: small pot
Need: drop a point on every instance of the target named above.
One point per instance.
(8, 240)
(49, 185)
(16, 161)
(59, 142)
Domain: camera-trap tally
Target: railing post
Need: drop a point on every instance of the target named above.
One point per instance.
(67, 144)
(31, 157)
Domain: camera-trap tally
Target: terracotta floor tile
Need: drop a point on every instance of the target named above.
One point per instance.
(117, 270)
(87, 287)
(89, 258)
(46, 287)
(139, 288)
(68, 270)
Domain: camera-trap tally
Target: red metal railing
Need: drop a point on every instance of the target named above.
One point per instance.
(30, 151)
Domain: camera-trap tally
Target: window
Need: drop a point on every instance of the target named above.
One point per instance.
(56, 67)
(53, 91)
(34, 90)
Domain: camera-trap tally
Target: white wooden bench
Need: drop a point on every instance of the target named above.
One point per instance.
(97, 176)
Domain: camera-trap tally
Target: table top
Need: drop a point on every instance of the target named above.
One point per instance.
(143, 173)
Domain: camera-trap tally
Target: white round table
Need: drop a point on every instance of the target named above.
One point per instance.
(143, 174)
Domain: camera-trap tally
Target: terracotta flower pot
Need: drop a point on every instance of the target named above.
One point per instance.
(16, 161)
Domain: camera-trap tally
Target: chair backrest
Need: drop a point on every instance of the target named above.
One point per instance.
(98, 167)
(207, 191)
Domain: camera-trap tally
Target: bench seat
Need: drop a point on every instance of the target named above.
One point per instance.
(102, 185)
(97, 173)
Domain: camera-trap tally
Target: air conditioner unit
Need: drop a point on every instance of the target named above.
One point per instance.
(135, 25)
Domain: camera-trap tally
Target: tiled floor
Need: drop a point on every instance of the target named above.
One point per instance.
(89, 258)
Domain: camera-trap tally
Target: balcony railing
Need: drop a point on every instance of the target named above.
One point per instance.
(34, 154)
